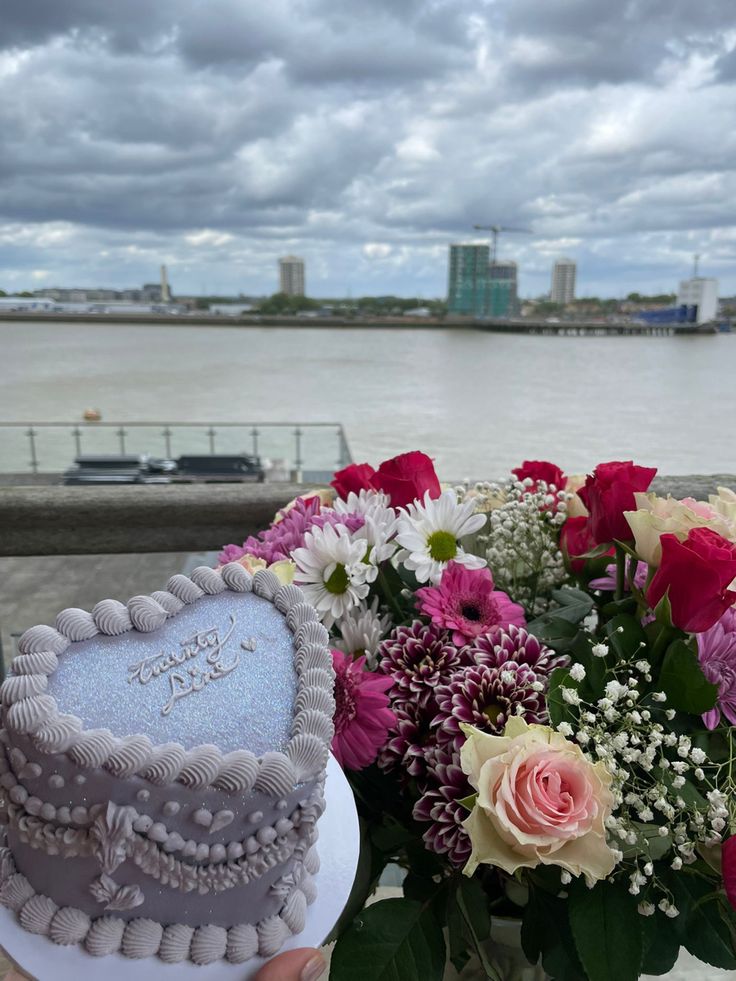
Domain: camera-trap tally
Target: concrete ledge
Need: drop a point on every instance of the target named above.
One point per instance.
(98, 520)
(177, 518)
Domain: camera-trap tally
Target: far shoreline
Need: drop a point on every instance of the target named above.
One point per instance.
(528, 327)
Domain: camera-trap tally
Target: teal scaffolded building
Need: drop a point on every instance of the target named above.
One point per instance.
(478, 289)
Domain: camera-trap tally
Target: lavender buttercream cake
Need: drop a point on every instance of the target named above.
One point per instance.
(163, 767)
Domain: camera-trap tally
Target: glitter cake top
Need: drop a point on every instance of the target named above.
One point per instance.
(220, 672)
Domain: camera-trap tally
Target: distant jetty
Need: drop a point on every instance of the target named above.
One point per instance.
(527, 326)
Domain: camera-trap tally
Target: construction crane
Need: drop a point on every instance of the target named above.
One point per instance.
(495, 230)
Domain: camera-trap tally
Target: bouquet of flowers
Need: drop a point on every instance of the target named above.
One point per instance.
(535, 687)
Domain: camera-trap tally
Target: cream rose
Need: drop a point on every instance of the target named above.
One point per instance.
(656, 516)
(575, 506)
(284, 569)
(540, 801)
(724, 502)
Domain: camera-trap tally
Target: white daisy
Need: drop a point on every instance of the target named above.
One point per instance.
(363, 629)
(379, 533)
(364, 502)
(430, 534)
(331, 571)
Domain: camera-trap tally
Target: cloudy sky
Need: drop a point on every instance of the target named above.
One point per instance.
(365, 135)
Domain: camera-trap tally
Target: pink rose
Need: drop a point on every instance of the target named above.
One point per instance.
(608, 492)
(537, 470)
(540, 801)
(407, 478)
(355, 478)
(696, 575)
(728, 857)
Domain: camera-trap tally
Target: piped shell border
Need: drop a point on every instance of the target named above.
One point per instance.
(29, 710)
(146, 938)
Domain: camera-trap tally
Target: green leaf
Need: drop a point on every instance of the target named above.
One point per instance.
(468, 802)
(663, 611)
(458, 946)
(558, 708)
(545, 932)
(701, 926)
(394, 940)
(683, 681)
(626, 637)
(661, 944)
(574, 606)
(626, 605)
(607, 931)
(473, 900)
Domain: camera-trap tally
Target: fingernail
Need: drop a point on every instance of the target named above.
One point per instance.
(313, 969)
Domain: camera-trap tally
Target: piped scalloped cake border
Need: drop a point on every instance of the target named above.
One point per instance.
(28, 709)
(142, 937)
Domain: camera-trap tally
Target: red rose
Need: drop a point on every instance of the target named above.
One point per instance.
(537, 470)
(576, 538)
(608, 492)
(728, 860)
(695, 575)
(406, 478)
(355, 478)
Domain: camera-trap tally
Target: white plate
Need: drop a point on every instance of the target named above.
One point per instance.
(338, 846)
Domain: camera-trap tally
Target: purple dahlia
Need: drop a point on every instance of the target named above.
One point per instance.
(487, 697)
(446, 785)
(418, 658)
(409, 741)
(516, 644)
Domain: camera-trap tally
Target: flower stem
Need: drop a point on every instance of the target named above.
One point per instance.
(490, 971)
(389, 596)
(620, 572)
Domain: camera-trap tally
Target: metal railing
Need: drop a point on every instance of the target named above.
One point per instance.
(49, 447)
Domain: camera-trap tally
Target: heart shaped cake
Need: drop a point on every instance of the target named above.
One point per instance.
(163, 770)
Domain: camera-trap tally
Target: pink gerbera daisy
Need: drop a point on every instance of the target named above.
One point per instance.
(466, 603)
(362, 716)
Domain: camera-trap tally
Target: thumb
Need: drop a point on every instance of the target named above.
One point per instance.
(305, 964)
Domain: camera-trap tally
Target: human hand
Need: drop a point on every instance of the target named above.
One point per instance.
(304, 964)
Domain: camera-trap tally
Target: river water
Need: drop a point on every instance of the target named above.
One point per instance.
(478, 402)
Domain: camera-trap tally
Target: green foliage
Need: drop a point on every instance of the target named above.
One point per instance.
(706, 924)
(546, 933)
(626, 637)
(661, 944)
(683, 682)
(606, 926)
(281, 303)
(394, 940)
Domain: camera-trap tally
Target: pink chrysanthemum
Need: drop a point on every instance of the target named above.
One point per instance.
(418, 659)
(487, 698)
(466, 603)
(362, 714)
(446, 785)
(283, 536)
(518, 645)
(717, 656)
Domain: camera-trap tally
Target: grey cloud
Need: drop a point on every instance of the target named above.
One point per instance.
(317, 127)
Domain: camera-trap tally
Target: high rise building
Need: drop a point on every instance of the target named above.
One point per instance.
(291, 275)
(165, 288)
(503, 289)
(468, 286)
(563, 281)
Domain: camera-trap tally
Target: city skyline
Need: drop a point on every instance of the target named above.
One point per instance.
(365, 140)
